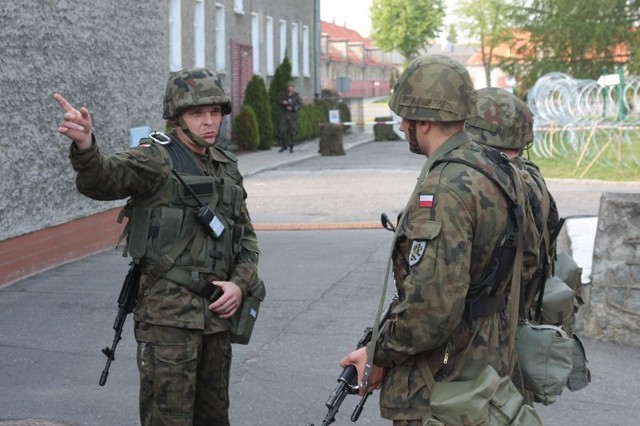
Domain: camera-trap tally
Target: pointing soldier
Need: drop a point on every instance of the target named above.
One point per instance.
(184, 347)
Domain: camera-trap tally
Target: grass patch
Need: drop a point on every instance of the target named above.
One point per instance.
(566, 169)
(606, 154)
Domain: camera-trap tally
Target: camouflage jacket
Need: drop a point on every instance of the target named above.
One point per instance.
(141, 172)
(294, 101)
(451, 226)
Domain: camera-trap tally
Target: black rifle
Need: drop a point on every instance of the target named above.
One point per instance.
(386, 223)
(348, 380)
(126, 303)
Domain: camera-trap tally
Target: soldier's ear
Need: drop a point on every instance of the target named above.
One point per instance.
(423, 126)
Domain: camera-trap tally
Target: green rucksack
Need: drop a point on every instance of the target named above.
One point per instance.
(551, 356)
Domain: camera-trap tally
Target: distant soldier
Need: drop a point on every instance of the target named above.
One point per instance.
(450, 320)
(290, 104)
(184, 347)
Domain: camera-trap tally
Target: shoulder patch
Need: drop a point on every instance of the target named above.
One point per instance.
(425, 201)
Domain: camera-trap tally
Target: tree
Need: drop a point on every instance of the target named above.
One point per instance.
(580, 38)
(257, 98)
(452, 34)
(277, 87)
(487, 22)
(406, 26)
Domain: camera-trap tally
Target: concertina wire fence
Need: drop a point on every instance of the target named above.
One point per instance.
(582, 121)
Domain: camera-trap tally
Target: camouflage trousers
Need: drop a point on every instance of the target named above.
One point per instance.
(184, 376)
(288, 129)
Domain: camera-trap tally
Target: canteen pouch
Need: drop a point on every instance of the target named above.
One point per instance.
(545, 356)
(487, 400)
(557, 303)
(580, 375)
(242, 322)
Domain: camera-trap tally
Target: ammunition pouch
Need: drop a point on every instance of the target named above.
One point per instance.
(242, 322)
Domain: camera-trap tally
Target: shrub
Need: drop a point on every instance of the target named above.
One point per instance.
(245, 128)
(257, 98)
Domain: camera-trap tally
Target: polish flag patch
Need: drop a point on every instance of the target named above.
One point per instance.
(425, 201)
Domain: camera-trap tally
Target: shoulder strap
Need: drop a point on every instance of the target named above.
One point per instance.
(482, 299)
(180, 158)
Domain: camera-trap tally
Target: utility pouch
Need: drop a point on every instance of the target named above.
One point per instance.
(242, 322)
(580, 375)
(545, 356)
(488, 400)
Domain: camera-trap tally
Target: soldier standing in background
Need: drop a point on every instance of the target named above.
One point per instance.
(181, 319)
(442, 327)
(290, 104)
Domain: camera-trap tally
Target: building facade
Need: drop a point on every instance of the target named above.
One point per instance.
(114, 58)
(352, 65)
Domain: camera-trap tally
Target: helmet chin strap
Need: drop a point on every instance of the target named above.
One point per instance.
(183, 132)
(413, 140)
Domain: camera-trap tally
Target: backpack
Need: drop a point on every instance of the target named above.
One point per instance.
(556, 288)
(550, 355)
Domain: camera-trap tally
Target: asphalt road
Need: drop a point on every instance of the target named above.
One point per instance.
(323, 286)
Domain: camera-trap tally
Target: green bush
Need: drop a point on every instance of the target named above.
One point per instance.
(257, 98)
(245, 131)
(306, 122)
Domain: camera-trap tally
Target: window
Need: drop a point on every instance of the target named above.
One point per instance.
(175, 36)
(198, 34)
(305, 51)
(295, 68)
(269, 45)
(220, 38)
(283, 39)
(238, 7)
(255, 42)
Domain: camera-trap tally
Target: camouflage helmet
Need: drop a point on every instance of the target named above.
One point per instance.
(193, 87)
(504, 121)
(434, 88)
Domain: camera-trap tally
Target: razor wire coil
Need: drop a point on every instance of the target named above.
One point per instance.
(584, 121)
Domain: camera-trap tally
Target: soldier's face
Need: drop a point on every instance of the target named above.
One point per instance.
(204, 121)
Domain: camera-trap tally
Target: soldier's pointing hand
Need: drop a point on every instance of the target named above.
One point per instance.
(76, 124)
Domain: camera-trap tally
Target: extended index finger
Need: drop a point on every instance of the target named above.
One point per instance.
(63, 102)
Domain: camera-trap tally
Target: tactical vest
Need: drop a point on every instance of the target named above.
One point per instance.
(162, 231)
